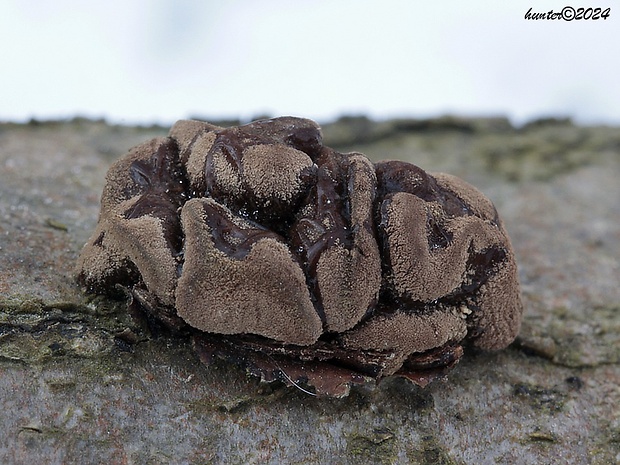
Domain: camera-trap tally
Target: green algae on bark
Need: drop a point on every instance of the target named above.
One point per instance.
(32, 330)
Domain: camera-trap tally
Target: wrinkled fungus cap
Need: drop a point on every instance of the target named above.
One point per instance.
(261, 236)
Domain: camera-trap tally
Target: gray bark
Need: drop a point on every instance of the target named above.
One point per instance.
(82, 382)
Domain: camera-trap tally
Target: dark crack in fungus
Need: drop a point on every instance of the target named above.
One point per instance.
(301, 263)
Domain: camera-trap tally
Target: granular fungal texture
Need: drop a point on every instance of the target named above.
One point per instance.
(302, 263)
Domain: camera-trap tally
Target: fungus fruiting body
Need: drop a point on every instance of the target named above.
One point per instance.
(300, 262)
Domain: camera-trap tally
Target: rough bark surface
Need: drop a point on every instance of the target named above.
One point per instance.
(83, 382)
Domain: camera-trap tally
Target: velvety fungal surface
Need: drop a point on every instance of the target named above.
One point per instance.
(301, 263)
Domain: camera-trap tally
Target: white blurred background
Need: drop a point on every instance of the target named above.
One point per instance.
(161, 60)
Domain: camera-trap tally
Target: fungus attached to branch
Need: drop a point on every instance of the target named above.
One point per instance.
(301, 263)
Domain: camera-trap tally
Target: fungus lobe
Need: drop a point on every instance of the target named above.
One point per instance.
(301, 263)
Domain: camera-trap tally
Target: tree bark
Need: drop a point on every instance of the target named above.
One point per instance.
(84, 382)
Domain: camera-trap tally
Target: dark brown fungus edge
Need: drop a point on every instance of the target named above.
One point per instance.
(300, 263)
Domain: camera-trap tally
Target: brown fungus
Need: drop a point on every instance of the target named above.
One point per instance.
(301, 263)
